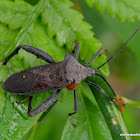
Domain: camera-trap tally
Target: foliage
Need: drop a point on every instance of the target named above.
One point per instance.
(52, 26)
(125, 10)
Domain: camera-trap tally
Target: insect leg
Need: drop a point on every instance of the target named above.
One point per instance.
(39, 53)
(96, 55)
(99, 88)
(29, 106)
(106, 82)
(77, 49)
(44, 105)
(75, 107)
(22, 101)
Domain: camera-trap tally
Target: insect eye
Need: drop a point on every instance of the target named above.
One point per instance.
(61, 78)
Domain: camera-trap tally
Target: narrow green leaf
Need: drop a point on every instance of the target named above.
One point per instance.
(110, 111)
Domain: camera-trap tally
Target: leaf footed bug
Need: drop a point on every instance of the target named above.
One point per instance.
(53, 76)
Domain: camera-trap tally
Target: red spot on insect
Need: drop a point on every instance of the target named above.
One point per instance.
(121, 103)
(72, 86)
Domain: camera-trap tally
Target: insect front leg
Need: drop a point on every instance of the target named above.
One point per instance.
(96, 55)
(39, 53)
(106, 82)
(44, 105)
(75, 107)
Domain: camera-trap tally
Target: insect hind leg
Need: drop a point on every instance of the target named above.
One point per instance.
(44, 105)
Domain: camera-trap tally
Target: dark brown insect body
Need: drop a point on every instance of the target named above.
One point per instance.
(66, 74)
(54, 76)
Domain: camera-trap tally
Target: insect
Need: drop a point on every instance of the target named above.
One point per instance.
(53, 76)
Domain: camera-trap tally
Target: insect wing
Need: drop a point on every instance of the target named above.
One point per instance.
(22, 81)
(36, 80)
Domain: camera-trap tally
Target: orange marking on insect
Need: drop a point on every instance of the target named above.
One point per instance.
(72, 86)
(121, 103)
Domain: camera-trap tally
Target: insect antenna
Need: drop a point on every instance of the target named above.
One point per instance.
(118, 50)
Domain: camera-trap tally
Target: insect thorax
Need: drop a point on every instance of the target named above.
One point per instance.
(75, 72)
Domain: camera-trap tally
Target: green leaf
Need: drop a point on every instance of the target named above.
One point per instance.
(125, 10)
(15, 12)
(14, 122)
(70, 28)
(90, 123)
